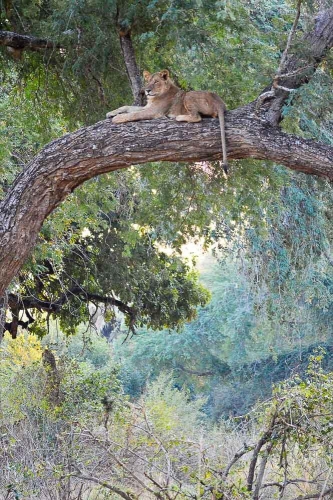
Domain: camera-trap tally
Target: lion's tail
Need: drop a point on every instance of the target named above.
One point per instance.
(224, 144)
(221, 111)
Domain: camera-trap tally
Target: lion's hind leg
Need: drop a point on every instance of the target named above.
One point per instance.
(191, 118)
(192, 111)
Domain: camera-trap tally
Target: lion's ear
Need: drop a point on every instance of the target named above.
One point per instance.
(164, 74)
(146, 75)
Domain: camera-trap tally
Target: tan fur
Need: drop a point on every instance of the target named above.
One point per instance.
(166, 99)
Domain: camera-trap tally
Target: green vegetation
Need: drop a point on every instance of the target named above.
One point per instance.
(68, 430)
(208, 379)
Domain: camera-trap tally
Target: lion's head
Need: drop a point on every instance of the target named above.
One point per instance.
(156, 84)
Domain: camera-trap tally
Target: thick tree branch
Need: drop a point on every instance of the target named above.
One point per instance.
(21, 42)
(17, 304)
(103, 147)
(55, 306)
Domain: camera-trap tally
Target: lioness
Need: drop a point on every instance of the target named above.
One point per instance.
(166, 99)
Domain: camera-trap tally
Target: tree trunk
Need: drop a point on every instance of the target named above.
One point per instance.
(132, 69)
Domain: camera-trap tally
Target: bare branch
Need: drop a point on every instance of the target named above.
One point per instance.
(107, 447)
(235, 459)
(318, 495)
(262, 441)
(126, 496)
(159, 442)
(261, 472)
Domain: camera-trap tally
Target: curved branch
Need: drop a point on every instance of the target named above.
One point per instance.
(103, 147)
(246, 449)
(19, 303)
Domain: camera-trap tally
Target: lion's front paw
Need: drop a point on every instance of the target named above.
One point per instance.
(119, 119)
(111, 114)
